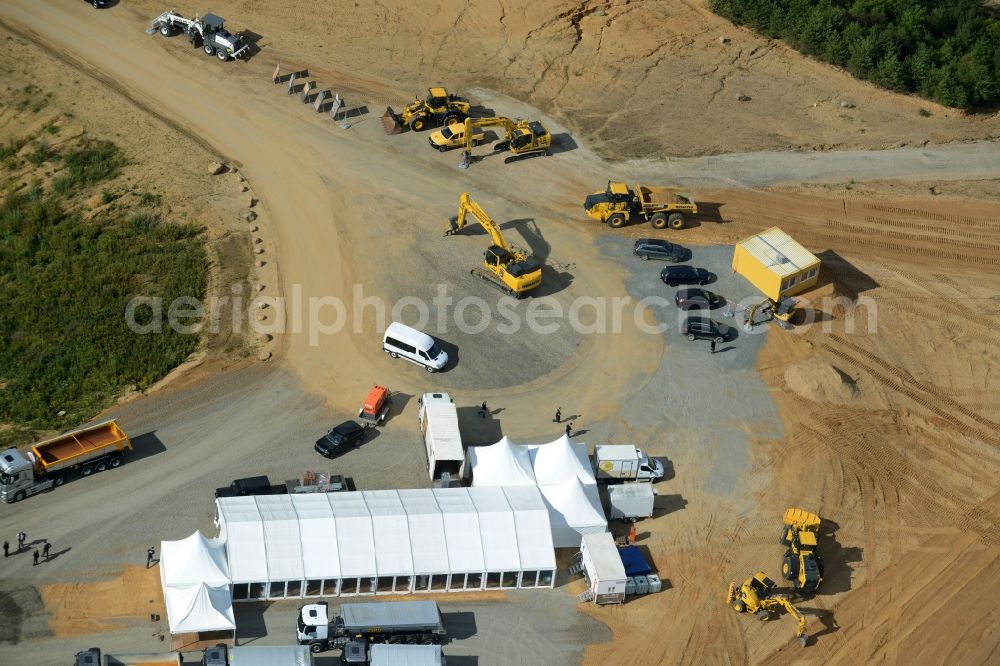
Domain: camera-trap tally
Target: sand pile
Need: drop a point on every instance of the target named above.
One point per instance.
(817, 381)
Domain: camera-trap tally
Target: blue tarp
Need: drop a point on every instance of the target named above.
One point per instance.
(634, 562)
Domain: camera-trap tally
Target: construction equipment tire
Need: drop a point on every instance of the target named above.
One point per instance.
(790, 567)
(676, 221)
(417, 123)
(739, 606)
(658, 220)
(452, 119)
(616, 221)
(209, 49)
(222, 55)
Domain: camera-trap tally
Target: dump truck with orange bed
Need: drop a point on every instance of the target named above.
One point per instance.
(48, 463)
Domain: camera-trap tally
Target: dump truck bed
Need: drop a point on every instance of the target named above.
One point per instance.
(657, 197)
(80, 445)
(394, 616)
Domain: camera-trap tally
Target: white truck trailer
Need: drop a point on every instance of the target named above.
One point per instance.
(438, 419)
(603, 569)
(383, 654)
(631, 501)
(625, 463)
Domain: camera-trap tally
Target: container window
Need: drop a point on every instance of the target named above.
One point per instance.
(492, 580)
(403, 583)
(474, 581)
(256, 591)
(545, 579)
(241, 591)
(294, 589)
(385, 584)
(439, 582)
(276, 591)
(330, 587)
(529, 578)
(314, 588)
(510, 579)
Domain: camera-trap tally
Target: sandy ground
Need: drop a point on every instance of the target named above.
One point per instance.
(889, 433)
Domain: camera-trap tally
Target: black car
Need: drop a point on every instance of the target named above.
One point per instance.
(253, 485)
(654, 248)
(341, 438)
(696, 299)
(703, 328)
(675, 275)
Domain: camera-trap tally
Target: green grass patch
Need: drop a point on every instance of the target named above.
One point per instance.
(65, 282)
(88, 163)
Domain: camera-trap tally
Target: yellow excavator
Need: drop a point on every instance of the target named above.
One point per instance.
(510, 270)
(784, 312)
(801, 565)
(756, 595)
(524, 138)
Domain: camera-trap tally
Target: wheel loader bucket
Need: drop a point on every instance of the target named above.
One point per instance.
(390, 121)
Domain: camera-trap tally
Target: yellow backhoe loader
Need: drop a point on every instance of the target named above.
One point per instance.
(510, 270)
(756, 595)
(438, 109)
(801, 565)
(784, 312)
(524, 138)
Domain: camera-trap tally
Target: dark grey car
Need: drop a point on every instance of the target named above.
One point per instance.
(654, 248)
(703, 328)
(675, 275)
(696, 299)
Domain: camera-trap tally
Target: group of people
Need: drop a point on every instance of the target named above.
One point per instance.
(21, 538)
(484, 412)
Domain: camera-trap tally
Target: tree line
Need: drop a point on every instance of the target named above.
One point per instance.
(947, 51)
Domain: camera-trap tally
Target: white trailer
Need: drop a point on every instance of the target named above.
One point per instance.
(631, 501)
(603, 568)
(383, 654)
(625, 463)
(438, 418)
(270, 655)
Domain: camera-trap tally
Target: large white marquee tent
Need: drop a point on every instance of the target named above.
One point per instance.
(195, 578)
(386, 541)
(562, 473)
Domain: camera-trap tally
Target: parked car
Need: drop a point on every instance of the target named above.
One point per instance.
(253, 485)
(654, 248)
(703, 328)
(675, 275)
(340, 438)
(696, 299)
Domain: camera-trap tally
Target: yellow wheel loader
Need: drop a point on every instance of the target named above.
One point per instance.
(524, 138)
(619, 204)
(439, 108)
(510, 270)
(756, 595)
(801, 564)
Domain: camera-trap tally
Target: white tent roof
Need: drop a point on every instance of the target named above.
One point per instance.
(426, 527)
(193, 560)
(531, 524)
(496, 522)
(462, 530)
(574, 510)
(243, 532)
(355, 535)
(199, 607)
(501, 464)
(318, 535)
(281, 537)
(561, 460)
(391, 531)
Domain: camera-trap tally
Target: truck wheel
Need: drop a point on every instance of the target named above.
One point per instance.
(87, 470)
(658, 220)
(115, 462)
(428, 368)
(316, 648)
(691, 337)
(739, 606)
(101, 466)
(222, 55)
(19, 495)
(165, 30)
(427, 640)
(209, 49)
(616, 221)
(453, 119)
(676, 221)
(58, 481)
(443, 149)
(393, 354)
(417, 123)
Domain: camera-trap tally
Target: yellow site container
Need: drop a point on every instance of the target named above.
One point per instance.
(776, 263)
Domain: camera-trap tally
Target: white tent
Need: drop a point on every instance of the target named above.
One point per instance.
(387, 541)
(195, 578)
(574, 510)
(501, 464)
(560, 461)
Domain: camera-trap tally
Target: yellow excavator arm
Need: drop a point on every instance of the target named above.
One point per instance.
(472, 123)
(800, 629)
(466, 206)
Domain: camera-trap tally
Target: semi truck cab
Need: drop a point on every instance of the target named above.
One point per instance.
(17, 475)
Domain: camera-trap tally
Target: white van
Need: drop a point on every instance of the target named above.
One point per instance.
(401, 341)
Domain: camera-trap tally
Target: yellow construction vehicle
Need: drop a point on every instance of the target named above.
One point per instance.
(784, 312)
(801, 565)
(511, 270)
(524, 138)
(438, 109)
(756, 595)
(662, 207)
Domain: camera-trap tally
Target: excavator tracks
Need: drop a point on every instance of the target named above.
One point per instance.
(494, 281)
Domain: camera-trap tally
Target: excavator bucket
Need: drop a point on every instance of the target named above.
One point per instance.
(390, 121)
(803, 640)
(466, 161)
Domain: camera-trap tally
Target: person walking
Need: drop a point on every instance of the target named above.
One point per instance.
(46, 549)
(149, 556)
(569, 429)
(6, 549)
(34, 557)
(21, 536)
(713, 346)
(631, 533)
(482, 410)
(558, 418)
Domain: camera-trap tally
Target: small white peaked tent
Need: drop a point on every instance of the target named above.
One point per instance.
(574, 510)
(195, 578)
(501, 464)
(561, 460)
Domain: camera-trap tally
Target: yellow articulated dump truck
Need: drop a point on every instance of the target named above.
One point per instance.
(48, 463)
(620, 204)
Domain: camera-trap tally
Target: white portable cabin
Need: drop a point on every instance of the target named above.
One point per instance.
(631, 501)
(603, 568)
(439, 426)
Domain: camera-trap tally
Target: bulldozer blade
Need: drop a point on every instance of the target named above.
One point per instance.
(390, 121)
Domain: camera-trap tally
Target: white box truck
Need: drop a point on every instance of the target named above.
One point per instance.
(625, 463)
(631, 501)
(438, 418)
(602, 565)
